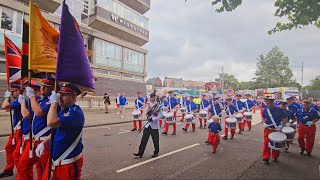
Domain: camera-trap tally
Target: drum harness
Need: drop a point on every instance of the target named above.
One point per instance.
(273, 122)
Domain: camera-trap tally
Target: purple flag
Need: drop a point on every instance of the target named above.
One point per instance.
(72, 62)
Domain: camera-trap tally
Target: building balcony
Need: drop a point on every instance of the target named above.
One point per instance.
(47, 5)
(142, 6)
(110, 23)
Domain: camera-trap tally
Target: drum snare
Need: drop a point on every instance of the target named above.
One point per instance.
(136, 115)
(277, 141)
(231, 123)
(247, 116)
(289, 132)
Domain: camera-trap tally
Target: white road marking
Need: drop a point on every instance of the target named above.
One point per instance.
(123, 131)
(98, 127)
(2, 151)
(319, 170)
(153, 159)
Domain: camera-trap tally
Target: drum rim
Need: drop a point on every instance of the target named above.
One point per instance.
(287, 132)
(277, 134)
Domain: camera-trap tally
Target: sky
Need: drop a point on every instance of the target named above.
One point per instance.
(191, 41)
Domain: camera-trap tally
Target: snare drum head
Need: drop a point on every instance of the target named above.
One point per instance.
(183, 109)
(203, 112)
(287, 130)
(247, 113)
(277, 137)
(239, 115)
(188, 116)
(135, 112)
(231, 120)
(168, 115)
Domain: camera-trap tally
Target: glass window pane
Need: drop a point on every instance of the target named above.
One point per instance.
(7, 18)
(113, 73)
(99, 47)
(119, 53)
(120, 10)
(110, 50)
(19, 23)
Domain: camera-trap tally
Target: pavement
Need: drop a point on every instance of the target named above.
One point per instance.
(108, 155)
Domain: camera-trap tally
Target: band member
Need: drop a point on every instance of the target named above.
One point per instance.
(67, 157)
(215, 110)
(273, 118)
(151, 128)
(255, 104)
(313, 105)
(21, 154)
(14, 139)
(138, 105)
(204, 106)
(183, 101)
(123, 103)
(40, 129)
(263, 106)
(214, 128)
(290, 117)
(172, 106)
(240, 106)
(164, 104)
(191, 107)
(307, 118)
(249, 106)
(230, 111)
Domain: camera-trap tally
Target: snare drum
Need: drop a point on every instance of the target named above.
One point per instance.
(289, 132)
(203, 114)
(183, 110)
(247, 116)
(294, 126)
(239, 117)
(136, 115)
(169, 117)
(189, 118)
(231, 123)
(277, 141)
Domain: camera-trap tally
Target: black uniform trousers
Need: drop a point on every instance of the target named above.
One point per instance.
(145, 137)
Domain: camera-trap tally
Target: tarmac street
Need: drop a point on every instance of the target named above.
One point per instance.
(109, 155)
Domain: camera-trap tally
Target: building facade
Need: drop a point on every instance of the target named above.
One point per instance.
(180, 83)
(114, 30)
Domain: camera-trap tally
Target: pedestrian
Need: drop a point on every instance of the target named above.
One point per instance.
(274, 118)
(123, 102)
(138, 106)
(14, 139)
(192, 107)
(151, 128)
(307, 118)
(67, 157)
(118, 103)
(106, 101)
(214, 137)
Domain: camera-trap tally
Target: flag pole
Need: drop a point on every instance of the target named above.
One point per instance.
(21, 92)
(30, 118)
(52, 139)
(10, 110)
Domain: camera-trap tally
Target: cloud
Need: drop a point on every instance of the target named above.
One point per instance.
(191, 41)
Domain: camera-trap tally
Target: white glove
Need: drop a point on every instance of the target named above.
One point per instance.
(7, 94)
(21, 99)
(309, 123)
(54, 98)
(30, 92)
(39, 150)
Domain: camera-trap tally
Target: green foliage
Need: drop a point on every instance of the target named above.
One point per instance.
(315, 84)
(273, 70)
(298, 13)
(229, 80)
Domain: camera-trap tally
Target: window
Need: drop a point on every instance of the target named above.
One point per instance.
(113, 73)
(133, 60)
(107, 53)
(2, 67)
(102, 71)
(129, 76)
(139, 78)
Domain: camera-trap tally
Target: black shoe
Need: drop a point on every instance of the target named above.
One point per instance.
(309, 154)
(174, 133)
(200, 127)
(165, 133)
(231, 137)
(240, 132)
(193, 130)
(207, 142)
(225, 138)
(266, 161)
(6, 174)
(249, 129)
(155, 155)
(275, 160)
(184, 129)
(134, 129)
(137, 154)
(302, 151)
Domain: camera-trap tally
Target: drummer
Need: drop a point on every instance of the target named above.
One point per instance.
(240, 107)
(290, 116)
(273, 118)
(192, 107)
(307, 129)
(230, 111)
(215, 110)
(183, 105)
(249, 106)
(164, 104)
(204, 106)
(173, 106)
(138, 106)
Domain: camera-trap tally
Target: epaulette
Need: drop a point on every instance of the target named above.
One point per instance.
(73, 109)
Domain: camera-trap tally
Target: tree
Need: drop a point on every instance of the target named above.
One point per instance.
(299, 13)
(273, 70)
(315, 84)
(229, 80)
(248, 85)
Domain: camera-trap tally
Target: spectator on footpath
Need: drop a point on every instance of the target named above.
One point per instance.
(123, 102)
(118, 102)
(106, 101)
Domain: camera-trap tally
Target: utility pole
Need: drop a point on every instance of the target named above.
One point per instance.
(222, 88)
(301, 79)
